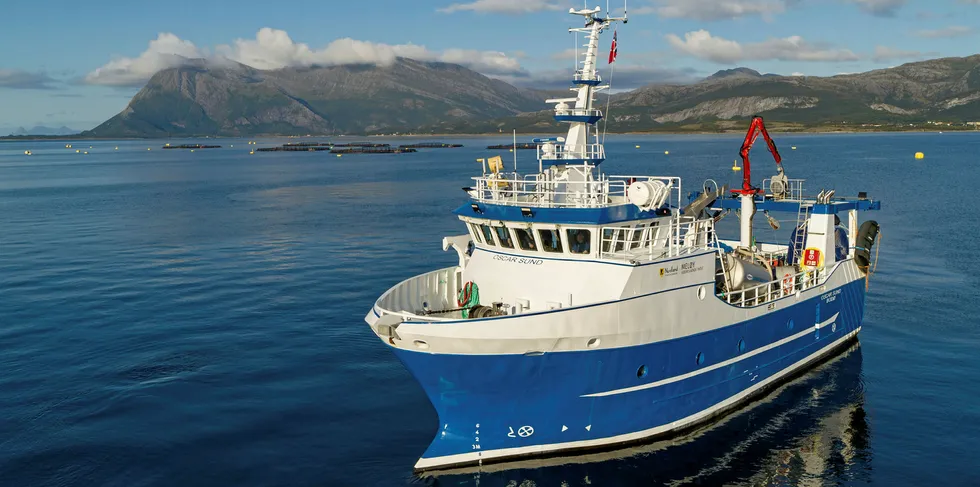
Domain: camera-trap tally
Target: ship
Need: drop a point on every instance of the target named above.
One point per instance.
(588, 311)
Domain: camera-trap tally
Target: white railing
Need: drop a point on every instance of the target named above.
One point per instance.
(581, 75)
(578, 112)
(434, 291)
(681, 236)
(793, 192)
(556, 152)
(541, 190)
(776, 289)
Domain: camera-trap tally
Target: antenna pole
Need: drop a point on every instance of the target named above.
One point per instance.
(515, 151)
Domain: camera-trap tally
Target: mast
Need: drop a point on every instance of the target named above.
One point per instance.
(579, 111)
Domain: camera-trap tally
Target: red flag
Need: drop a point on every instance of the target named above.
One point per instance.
(613, 51)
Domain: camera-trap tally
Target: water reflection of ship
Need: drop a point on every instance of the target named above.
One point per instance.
(809, 431)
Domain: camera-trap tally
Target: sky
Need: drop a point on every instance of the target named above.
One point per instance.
(78, 64)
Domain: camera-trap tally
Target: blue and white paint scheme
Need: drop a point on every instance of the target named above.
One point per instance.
(589, 310)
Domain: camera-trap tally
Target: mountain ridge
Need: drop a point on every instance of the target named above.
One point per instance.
(410, 96)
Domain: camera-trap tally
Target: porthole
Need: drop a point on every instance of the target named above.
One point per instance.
(641, 372)
(700, 358)
(701, 293)
(741, 345)
(833, 328)
(593, 342)
(790, 325)
(421, 344)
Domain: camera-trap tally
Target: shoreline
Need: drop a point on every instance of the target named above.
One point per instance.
(27, 138)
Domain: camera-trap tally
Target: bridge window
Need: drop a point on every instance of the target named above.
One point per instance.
(476, 233)
(550, 240)
(487, 234)
(525, 239)
(637, 235)
(580, 241)
(504, 235)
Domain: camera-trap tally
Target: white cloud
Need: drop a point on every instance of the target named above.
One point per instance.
(797, 74)
(713, 9)
(166, 51)
(883, 8)
(274, 49)
(703, 45)
(884, 54)
(502, 6)
(946, 32)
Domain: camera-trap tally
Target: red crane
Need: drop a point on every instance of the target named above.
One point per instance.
(757, 127)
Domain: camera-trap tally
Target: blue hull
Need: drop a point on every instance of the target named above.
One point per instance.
(504, 406)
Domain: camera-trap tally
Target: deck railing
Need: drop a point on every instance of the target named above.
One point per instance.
(793, 192)
(435, 290)
(680, 236)
(578, 112)
(557, 152)
(776, 289)
(542, 191)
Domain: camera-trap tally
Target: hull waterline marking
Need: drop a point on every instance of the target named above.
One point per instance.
(719, 365)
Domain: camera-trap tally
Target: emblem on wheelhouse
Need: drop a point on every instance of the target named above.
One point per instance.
(589, 310)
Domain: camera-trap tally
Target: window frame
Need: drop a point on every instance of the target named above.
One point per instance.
(555, 233)
(510, 237)
(487, 234)
(588, 241)
(530, 233)
(475, 231)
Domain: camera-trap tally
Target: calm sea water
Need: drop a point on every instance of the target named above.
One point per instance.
(196, 319)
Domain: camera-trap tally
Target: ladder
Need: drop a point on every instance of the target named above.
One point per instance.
(802, 216)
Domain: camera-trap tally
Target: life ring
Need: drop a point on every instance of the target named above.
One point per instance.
(788, 284)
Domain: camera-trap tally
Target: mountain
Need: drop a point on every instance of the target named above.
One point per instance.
(42, 130)
(945, 89)
(204, 98)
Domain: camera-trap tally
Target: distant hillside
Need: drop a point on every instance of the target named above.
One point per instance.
(941, 89)
(236, 100)
(412, 96)
(43, 130)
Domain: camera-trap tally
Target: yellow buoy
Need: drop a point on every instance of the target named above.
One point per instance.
(919, 155)
(794, 147)
(233, 145)
(192, 150)
(86, 152)
(168, 144)
(666, 152)
(27, 153)
(117, 148)
(89, 147)
(147, 148)
(339, 155)
(735, 166)
(77, 151)
(637, 147)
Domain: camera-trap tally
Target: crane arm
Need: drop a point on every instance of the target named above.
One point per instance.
(755, 129)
